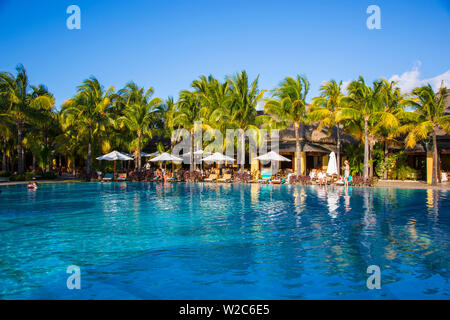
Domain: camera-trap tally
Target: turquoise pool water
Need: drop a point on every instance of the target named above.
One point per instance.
(206, 241)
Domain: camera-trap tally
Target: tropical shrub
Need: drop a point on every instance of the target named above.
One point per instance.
(137, 176)
(27, 176)
(242, 177)
(192, 176)
(359, 181)
(403, 172)
(5, 174)
(48, 175)
(92, 176)
(302, 180)
(399, 169)
(149, 175)
(378, 160)
(355, 155)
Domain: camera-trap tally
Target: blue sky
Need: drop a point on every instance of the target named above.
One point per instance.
(167, 44)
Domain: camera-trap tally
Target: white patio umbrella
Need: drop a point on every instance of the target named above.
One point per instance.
(271, 156)
(154, 154)
(113, 156)
(143, 154)
(332, 166)
(218, 157)
(165, 157)
(196, 153)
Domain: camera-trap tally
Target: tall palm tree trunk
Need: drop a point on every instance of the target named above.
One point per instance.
(298, 169)
(386, 158)
(338, 149)
(74, 169)
(139, 151)
(366, 148)
(88, 166)
(243, 151)
(60, 164)
(34, 164)
(20, 168)
(172, 144)
(434, 177)
(4, 161)
(4, 164)
(46, 165)
(370, 160)
(191, 155)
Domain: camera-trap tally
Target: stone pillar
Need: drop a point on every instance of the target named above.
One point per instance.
(294, 162)
(325, 162)
(303, 162)
(429, 167)
(254, 165)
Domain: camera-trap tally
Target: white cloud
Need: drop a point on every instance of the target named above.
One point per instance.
(409, 80)
(344, 86)
(260, 105)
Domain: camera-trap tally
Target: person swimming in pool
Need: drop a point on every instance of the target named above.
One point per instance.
(32, 186)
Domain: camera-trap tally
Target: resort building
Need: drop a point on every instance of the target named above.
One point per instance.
(317, 146)
(421, 157)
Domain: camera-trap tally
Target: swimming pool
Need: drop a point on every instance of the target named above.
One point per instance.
(224, 241)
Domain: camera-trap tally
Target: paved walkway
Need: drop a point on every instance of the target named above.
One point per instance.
(411, 185)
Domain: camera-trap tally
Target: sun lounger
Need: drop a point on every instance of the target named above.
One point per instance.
(212, 177)
(108, 177)
(265, 177)
(276, 181)
(122, 177)
(226, 178)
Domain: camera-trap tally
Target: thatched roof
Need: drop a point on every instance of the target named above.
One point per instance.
(308, 147)
(317, 137)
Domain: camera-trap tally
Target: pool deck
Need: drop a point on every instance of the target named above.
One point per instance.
(411, 185)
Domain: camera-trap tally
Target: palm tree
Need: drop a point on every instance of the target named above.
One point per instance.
(216, 96)
(138, 114)
(325, 109)
(189, 112)
(288, 107)
(393, 103)
(67, 142)
(88, 111)
(242, 105)
(363, 104)
(6, 128)
(428, 118)
(16, 90)
(43, 124)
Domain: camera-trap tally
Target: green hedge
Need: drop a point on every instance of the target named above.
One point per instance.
(48, 175)
(27, 176)
(4, 174)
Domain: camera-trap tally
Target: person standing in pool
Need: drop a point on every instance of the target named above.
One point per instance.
(32, 186)
(346, 173)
